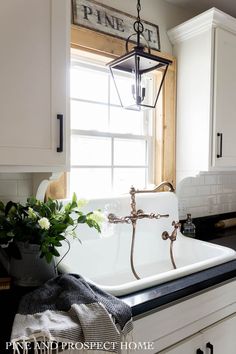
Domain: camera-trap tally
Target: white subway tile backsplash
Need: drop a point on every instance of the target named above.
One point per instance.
(211, 179)
(233, 179)
(15, 176)
(227, 179)
(15, 186)
(233, 197)
(208, 193)
(222, 198)
(226, 188)
(213, 210)
(198, 180)
(219, 188)
(232, 206)
(233, 187)
(189, 191)
(203, 190)
(8, 188)
(213, 189)
(24, 188)
(220, 179)
(197, 201)
(212, 199)
(197, 211)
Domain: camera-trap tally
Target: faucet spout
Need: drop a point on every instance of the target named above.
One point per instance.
(157, 188)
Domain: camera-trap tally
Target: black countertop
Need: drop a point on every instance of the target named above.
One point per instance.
(163, 294)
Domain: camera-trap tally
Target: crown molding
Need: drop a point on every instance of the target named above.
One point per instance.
(196, 25)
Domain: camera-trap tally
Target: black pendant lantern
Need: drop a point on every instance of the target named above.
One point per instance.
(132, 72)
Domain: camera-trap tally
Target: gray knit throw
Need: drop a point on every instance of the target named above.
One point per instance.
(67, 309)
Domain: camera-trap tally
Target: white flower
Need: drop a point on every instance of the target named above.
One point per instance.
(81, 203)
(97, 216)
(44, 223)
(31, 213)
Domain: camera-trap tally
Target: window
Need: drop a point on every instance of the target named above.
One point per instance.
(111, 148)
(162, 152)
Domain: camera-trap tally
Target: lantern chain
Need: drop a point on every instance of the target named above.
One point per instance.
(138, 10)
(138, 26)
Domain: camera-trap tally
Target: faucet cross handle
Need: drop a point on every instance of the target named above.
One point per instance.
(165, 235)
(141, 215)
(176, 224)
(113, 219)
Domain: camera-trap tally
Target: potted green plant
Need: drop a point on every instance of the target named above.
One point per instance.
(32, 234)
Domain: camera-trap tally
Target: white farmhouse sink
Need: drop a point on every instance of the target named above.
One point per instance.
(105, 259)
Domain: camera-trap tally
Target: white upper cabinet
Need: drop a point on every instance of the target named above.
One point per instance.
(205, 47)
(34, 68)
(224, 122)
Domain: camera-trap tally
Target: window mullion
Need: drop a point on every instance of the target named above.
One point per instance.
(108, 134)
(76, 99)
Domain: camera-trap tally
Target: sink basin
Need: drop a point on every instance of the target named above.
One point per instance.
(105, 259)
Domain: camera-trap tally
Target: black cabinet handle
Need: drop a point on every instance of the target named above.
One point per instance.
(220, 137)
(60, 147)
(199, 351)
(211, 347)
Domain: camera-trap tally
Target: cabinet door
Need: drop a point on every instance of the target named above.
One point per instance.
(224, 108)
(191, 345)
(216, 339)
(34, 41)
(221, 337)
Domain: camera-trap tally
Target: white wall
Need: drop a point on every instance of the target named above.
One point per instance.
(158, 12)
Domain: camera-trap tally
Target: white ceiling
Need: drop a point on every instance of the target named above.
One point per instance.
(197, 6)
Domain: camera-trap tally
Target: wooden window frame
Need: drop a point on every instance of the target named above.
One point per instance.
(164, 164)
(165, 122)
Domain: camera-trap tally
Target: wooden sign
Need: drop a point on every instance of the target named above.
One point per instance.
(101, 18)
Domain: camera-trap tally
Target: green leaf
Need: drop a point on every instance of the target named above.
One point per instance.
(74, 199)
(48, 257)
(82, 219)
(2, 207)
(54, 252)
(59, 227)
(60, 238)
(10, 206)
(57, 244)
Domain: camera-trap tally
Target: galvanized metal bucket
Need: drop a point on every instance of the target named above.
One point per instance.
(31, 270)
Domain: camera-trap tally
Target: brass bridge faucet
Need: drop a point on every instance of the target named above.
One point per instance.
(139, 214)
